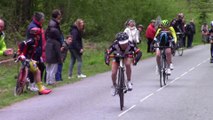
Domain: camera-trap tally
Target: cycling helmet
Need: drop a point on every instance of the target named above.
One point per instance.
(165, 23)
(122, 38)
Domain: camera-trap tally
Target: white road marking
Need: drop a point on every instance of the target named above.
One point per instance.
(158, 90)
(146, 97)
(191, 69)
(126, 111)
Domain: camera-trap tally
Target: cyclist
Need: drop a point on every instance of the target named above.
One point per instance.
(211, 42)
(178, 23)
(3, 49)
(27, 50)
(123, 46)
(165, 35)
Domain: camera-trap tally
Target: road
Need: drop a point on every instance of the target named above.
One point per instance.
(187, 96)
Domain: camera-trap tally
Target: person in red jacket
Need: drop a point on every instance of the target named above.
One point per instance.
(150, 34)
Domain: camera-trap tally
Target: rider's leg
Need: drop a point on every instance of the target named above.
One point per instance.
(211, 52)
(128, 63)
(37, 78)
(114, 72)
(158, 57)
(169, 57)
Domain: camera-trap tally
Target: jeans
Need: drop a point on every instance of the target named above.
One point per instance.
(75, 55)
(58, 75)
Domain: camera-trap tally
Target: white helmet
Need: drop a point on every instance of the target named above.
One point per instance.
(211, 23)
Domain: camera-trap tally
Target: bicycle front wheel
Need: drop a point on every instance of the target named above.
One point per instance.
(20, 82)
(121, 87)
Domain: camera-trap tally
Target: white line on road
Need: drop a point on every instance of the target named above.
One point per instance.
(158, 90)
(191, 69)
(146, 97)
(126, 111)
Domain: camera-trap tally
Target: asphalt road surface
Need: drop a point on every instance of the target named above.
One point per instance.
(187, 96)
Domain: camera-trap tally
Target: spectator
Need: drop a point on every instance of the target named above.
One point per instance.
(132, 32)
(53, 55)
(204, 32)
(76, 48)
(150, 34)
(55, 24)
(65, 47)
(140, 30)
(190, 31)
(38, 19)
(3, 49)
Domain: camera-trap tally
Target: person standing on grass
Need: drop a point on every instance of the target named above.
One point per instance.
(76, 48)
(54, 24)
(150, 34)
(3, 49)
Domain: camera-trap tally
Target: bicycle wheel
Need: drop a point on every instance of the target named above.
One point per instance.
(180, 48)
(20, 82)
(164, 71)
(121, 86)
(161, 71)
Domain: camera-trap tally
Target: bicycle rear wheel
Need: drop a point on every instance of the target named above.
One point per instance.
(121, 86)
(161, 71)
(164, 71)
(180, 48)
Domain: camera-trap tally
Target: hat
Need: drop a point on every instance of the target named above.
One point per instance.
(153, 21)
(39, 15)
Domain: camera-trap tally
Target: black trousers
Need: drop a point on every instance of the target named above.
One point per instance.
(149, 41)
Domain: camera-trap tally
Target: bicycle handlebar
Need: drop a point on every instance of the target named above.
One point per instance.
(121, 56)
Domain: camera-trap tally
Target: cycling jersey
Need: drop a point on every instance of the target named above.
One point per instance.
(28, 48)
(2, 44)
(164, 38)
(131, 49)
(171, 30)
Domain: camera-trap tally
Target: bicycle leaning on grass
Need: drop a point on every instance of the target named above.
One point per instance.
(22, 82)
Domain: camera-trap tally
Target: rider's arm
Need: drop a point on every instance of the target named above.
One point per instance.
(108, 52)
(138, 55)
(173, 34)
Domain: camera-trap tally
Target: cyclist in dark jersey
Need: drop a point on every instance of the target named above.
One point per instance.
(123, 46)
(211, 42)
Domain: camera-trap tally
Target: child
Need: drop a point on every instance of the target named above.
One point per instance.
(64, 49)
